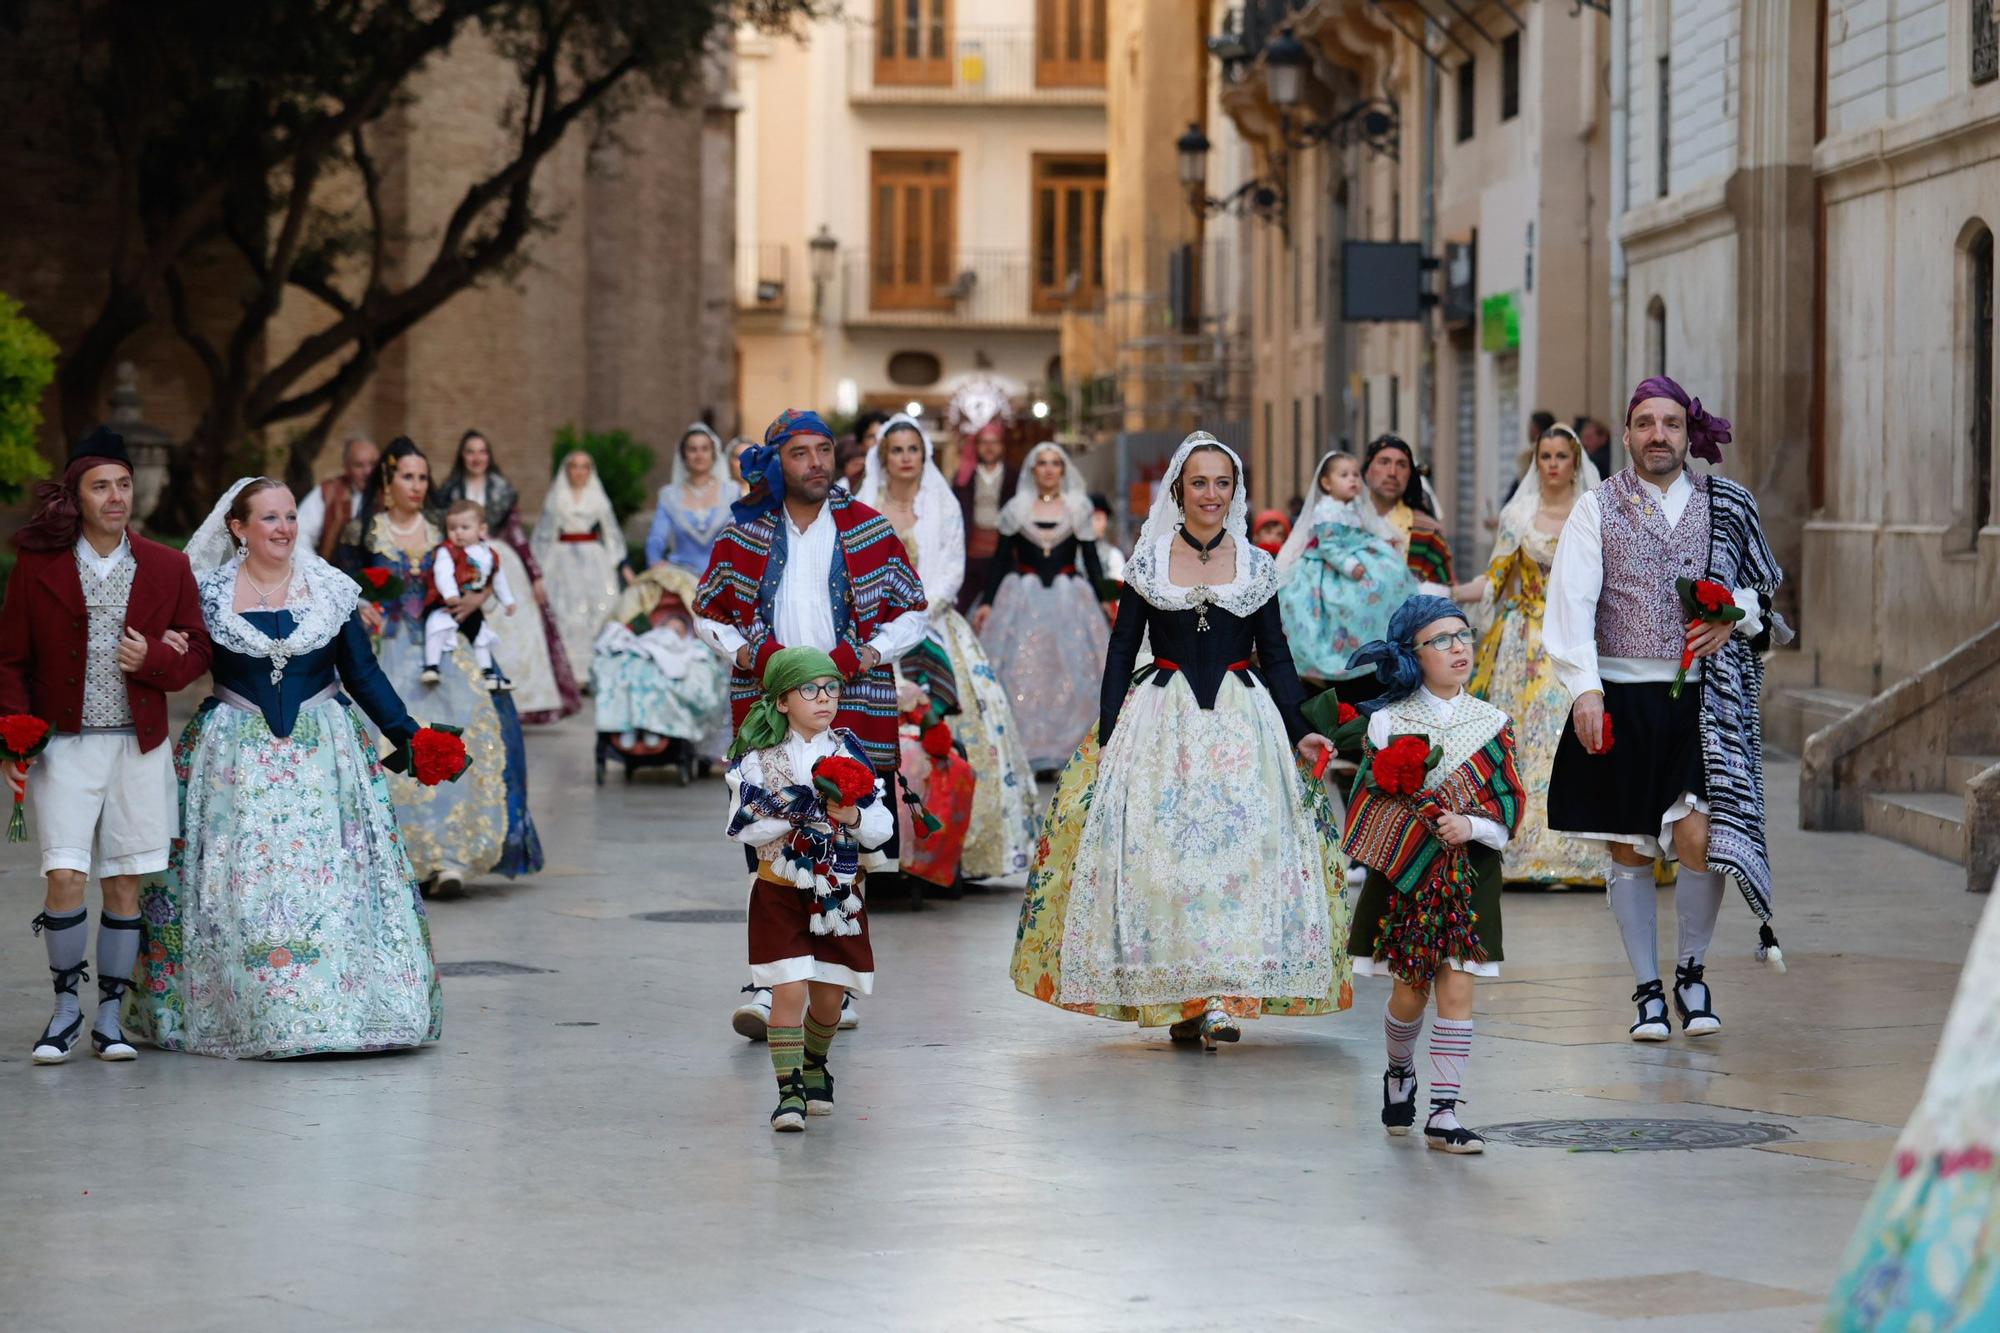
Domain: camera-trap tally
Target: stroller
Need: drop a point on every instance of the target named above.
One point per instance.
(659, 694)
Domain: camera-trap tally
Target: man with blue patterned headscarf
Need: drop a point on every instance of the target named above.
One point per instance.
(805, 565)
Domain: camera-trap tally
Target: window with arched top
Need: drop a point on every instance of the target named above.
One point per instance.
(1656, 337)
(1976, 351)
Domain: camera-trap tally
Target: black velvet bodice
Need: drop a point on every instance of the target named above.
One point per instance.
(1253, 647)
(349, 658)
(1018, 554)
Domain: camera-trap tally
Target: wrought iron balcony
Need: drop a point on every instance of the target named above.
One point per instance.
(763, 274)
(922, 64)
(980, 289)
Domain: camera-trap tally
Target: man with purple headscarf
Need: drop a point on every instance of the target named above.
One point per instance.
(1647, 774)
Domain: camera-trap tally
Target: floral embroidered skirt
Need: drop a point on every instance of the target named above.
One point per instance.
(1927, 1252)
(288, 922)
(1328, 614)
(1191, 863)
(1047, 643)
(1002, 835)
(678, 694)
(462, 826)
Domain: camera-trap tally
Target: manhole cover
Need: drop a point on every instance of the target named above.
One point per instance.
(486, 968)
(700, 916)
(1635, 1135)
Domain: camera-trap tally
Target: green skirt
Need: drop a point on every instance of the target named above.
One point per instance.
(1379, 899)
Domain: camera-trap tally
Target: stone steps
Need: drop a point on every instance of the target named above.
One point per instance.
(1960, 769)
(1792, 713)
(1930, 821)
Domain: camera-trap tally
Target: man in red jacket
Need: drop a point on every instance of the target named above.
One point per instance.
(99, 625)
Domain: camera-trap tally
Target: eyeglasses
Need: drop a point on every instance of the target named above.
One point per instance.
(1444, 643)
(812, 691)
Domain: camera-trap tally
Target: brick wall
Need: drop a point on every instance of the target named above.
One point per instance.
(604, 324)
(1886, 59)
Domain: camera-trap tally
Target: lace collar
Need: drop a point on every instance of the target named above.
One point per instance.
(321, 599)
(1255, 581)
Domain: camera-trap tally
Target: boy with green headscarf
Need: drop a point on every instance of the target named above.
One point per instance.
(808, 927)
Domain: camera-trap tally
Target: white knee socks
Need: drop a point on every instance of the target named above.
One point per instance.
(1634, 900)
(1697, 902)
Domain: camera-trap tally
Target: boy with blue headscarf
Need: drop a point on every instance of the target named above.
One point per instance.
(1435, 801)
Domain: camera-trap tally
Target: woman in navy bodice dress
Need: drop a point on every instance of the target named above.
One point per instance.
(289, 922)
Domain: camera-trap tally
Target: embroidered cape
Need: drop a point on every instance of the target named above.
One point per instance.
(870, 584)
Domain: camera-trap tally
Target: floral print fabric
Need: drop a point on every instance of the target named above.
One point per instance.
(1191, 863)
(1002, 835)
(1927, 1252)
(288, 922)
(1515, 675)
(1047, 645)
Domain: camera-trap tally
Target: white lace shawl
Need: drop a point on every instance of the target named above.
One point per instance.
(320, 598)
(565, 509)
(940, 534)
(1019, 513)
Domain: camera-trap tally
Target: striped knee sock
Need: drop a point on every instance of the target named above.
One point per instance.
(1451, 1043)
(788, 1053)
(1402, 1039)
(818, 1041)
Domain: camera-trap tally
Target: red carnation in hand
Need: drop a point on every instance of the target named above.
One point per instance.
(1606, 747)
(22, 737)
(437, 754)
(1400, 765)
(1712, 596)
(937, 741)
(377, 577)
(843, 780)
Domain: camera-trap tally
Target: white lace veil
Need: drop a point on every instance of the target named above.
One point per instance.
(1321, 507)
(1256, 577)
(677, 475)
(1518, 514)
(319, 596)
(1165, 515)
(938, 546)
(1018, 512)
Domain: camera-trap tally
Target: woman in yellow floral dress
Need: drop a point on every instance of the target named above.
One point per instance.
(1513, 672)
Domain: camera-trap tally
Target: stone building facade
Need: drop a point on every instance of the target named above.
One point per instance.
(1808, 197)
(618, 317)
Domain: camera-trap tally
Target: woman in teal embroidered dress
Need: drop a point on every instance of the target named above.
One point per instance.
(289, 921)
(1341, 574)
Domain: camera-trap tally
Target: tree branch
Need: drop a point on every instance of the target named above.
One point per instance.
(184, 326)
(378, 222)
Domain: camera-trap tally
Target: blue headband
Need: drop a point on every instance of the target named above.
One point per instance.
(1395, 658)
(763, 473)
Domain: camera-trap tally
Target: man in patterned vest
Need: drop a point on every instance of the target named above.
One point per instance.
(98, 627)
(1646, 773)
(805, 565)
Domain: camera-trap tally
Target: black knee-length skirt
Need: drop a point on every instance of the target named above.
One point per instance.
(1655, 758)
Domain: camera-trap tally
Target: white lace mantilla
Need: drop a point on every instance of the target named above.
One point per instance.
(1254, 583)
(1473, 723)
(321, 599)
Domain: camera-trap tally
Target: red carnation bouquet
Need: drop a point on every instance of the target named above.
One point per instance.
(937, 740)
(1399, 768)
(22, 737)
(437, 755)
(1704, 602)
(1341, 723)
(842, 780)
(378, 584)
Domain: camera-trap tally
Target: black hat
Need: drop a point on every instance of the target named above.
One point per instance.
(104, 444)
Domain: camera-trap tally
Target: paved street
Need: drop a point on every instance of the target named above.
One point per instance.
(587, 1148)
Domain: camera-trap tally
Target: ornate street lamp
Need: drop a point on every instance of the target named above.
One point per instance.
(1255, 197)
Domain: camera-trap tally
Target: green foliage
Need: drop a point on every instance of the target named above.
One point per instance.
(27, 364)
(622, 465)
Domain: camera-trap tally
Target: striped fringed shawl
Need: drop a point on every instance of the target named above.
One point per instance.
(1429, 556)
(870, 585)
(1391, 834)
(1732, 681)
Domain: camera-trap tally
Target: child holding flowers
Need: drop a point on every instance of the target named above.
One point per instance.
(804, 797)
(1435, 801)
